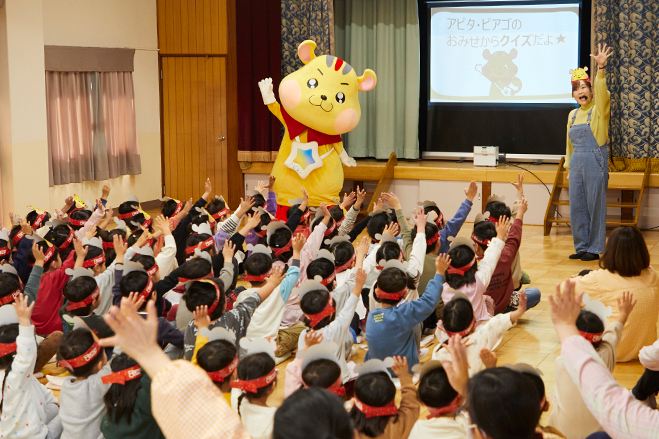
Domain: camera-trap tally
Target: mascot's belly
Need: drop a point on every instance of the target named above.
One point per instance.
(323, 184)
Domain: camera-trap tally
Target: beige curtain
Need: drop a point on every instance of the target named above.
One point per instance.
(91, 126)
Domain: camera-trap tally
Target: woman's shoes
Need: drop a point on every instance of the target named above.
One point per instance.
(590, 257)
(578, 255)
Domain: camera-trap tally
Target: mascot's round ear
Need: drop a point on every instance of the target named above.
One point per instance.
(513, 53)
(306, 51)
(367, 81)
(486, 54)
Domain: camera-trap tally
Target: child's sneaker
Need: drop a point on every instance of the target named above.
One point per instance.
(525, 278)
(422, 353)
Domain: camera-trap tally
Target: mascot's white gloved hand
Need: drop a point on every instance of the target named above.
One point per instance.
(347, 160)
(266, 91)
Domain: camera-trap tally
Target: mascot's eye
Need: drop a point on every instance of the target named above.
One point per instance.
(312, 83)
(340, 98)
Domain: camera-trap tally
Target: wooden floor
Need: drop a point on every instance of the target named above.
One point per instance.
(532, 340)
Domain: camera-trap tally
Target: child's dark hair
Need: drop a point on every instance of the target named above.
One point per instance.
(388, 250)
(257, 264)
(377, 224)
(9, 283)
(128, 207)
(337, 213)
(321, 373)
(316, 221)
(216, 355)
(484, 231)
(265, 220)
(44, 248)
(58, 237)
(342, 252)
(321, 267)
(432, 208)
(120, 399)
(498, 209)
(134, 236)
(377, 390)
(457, 315)
(75, 344)
(259, 201)
(135, 281)
(168, 207)
(291, 209)
(195, 239)
(215, 205)
(430, 231)
(146, 261)
(196, 268)
(590, 323)
(32, 216)
(80, 215)
(537, 382)
(197, 221)
(14, 231)
(280, 238)
(461, 256)
(314, 302)
(3, 244)
(77, 290)
(393, 280)
(203, 293)
(252, 367)
(504, 403)
(108, 236)
(8, 334)
(434, 389)
(324, 416)
(92, 252)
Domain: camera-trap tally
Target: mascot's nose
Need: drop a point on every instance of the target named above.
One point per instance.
(323, 97)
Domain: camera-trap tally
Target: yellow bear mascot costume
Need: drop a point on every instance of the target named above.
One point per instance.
(319, 102)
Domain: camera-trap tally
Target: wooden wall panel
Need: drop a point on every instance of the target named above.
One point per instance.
(193, 27)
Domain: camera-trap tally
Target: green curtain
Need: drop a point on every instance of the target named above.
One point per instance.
(382, 35)
(631, 27)
(305, 20)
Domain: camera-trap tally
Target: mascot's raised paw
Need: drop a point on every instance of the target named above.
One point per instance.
(267, 91)
(347, 160)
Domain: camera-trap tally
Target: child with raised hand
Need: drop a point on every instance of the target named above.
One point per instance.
(390, 329)
(226, 229)
(317, 304)
(356, 199)
(29, 410)
(458, 318)
(327, 370)
(21, 248)
(471, 278)
(11, 285)
(299, 209)
(374, 413)
(128, 402)
(83, 296)
(570, 414)
(209, 292)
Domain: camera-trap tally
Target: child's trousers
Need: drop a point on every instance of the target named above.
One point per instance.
(647, 385)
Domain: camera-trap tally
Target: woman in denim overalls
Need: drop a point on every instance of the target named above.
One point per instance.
(587, 160)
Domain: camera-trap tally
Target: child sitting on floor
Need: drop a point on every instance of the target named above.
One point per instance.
(215, 352)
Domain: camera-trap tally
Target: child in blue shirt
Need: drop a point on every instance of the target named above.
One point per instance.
(390, 329)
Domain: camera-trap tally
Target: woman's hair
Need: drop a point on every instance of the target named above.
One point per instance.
(258, 263)
(388, 251)
(196, 268)
(252, 367)
(134, 282)
(590, 323)
(321, 267)
(457, 315)
(145, 261)
(78, 290)
(8, 334)
(44, 248)
(461, 256)
(75, 344)
(434, 389)
(120, 399)
(108, 236)
(342, 252)
(393, 280)
(485, 230)
(577, 84)
(203, 293)
(377, 390)
(498, 209)
(196, 238)
(9, 283)
(32, 216)
(278, 239)
(504, 404)
(314, 302)
(128, 207)
(626, 252)
(324, 417)
(80, 215)
(216, 355)
(430, 231)
(377, 224)
(321, 373)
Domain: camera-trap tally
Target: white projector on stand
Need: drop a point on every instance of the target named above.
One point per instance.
(486, 155)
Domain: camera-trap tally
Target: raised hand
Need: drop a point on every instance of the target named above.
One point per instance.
(261, 187)
(245, 205)
(348, 200)
(105, 193)
(39, 256)
(120, 246)
(23, 311)
(90, 233)
(442, 263)
(208, 188)
(271, 183)
(522, 207)
(520, 183)
(564, 308)
(400, 367)
(362, 248)
(298, 242)
(254, 220)
(312, 338)
(625, 305)
(26, 227)
(187, 208)
(324, 210)
(360, 278)
(420, 219)
(391, 199)
(305, 200)
(502, 227)
(201, 317)
(377, 205)
(471, 191)
(81, 250)
(228, 250)
(133, 304)
(361, 196)
(603, 53)
(276, 276)
(162, 224)
(488, 357)
(457, 369)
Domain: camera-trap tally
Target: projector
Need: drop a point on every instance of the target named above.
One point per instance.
(486, 155)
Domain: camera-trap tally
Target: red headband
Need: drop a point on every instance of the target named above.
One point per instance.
(121, 376)
(38, 221)
(373, 412)
(9, 298)
(179, 208)
(392, 296)
(462, 270)
(107, 245)
(329, 279)
(337, 388)
(219, 214)
(4, 251)
(85, 302)
(440, 218)
(281, 250)
(464, 332)
(17, 237)
(69, 239)
(131, 214)
(252, 386)
(305, 215)
(204, 245)
(217, 296)
(184, 279)
(146, 292)
(82, 360)
(221, 374)
(452, 407)
(492, 219)
(254, 278)
(46, 257)
(480, 241)
(7, 348)
(152, 271)
(262, 233)
(327, 311)
(344, 267)
(75, 222)
(330, 229)
(94, 261)
(593, 337)
(432, 240)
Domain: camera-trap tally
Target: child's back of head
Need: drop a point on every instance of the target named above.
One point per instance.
(193, 241)
(129, 211)
(435, 391)
(483, 233)
(344, 254)
(377, 223)
(78, 218)
(80, 354)
(590, 326)
(207, 292)
(196, 268)
(280, 242)
(321, 373)
(216, 358)
(252, 367)
(463, 259)
(324, 269)
(81, 293)
(120, 399)
(218, 209)
(394, 283)
(375, 390)
(458, 316)
(108, 243)
(498, 209)
(389, 250)
(258, 264)
(432, 236)
(315, 304)
(10, 288)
